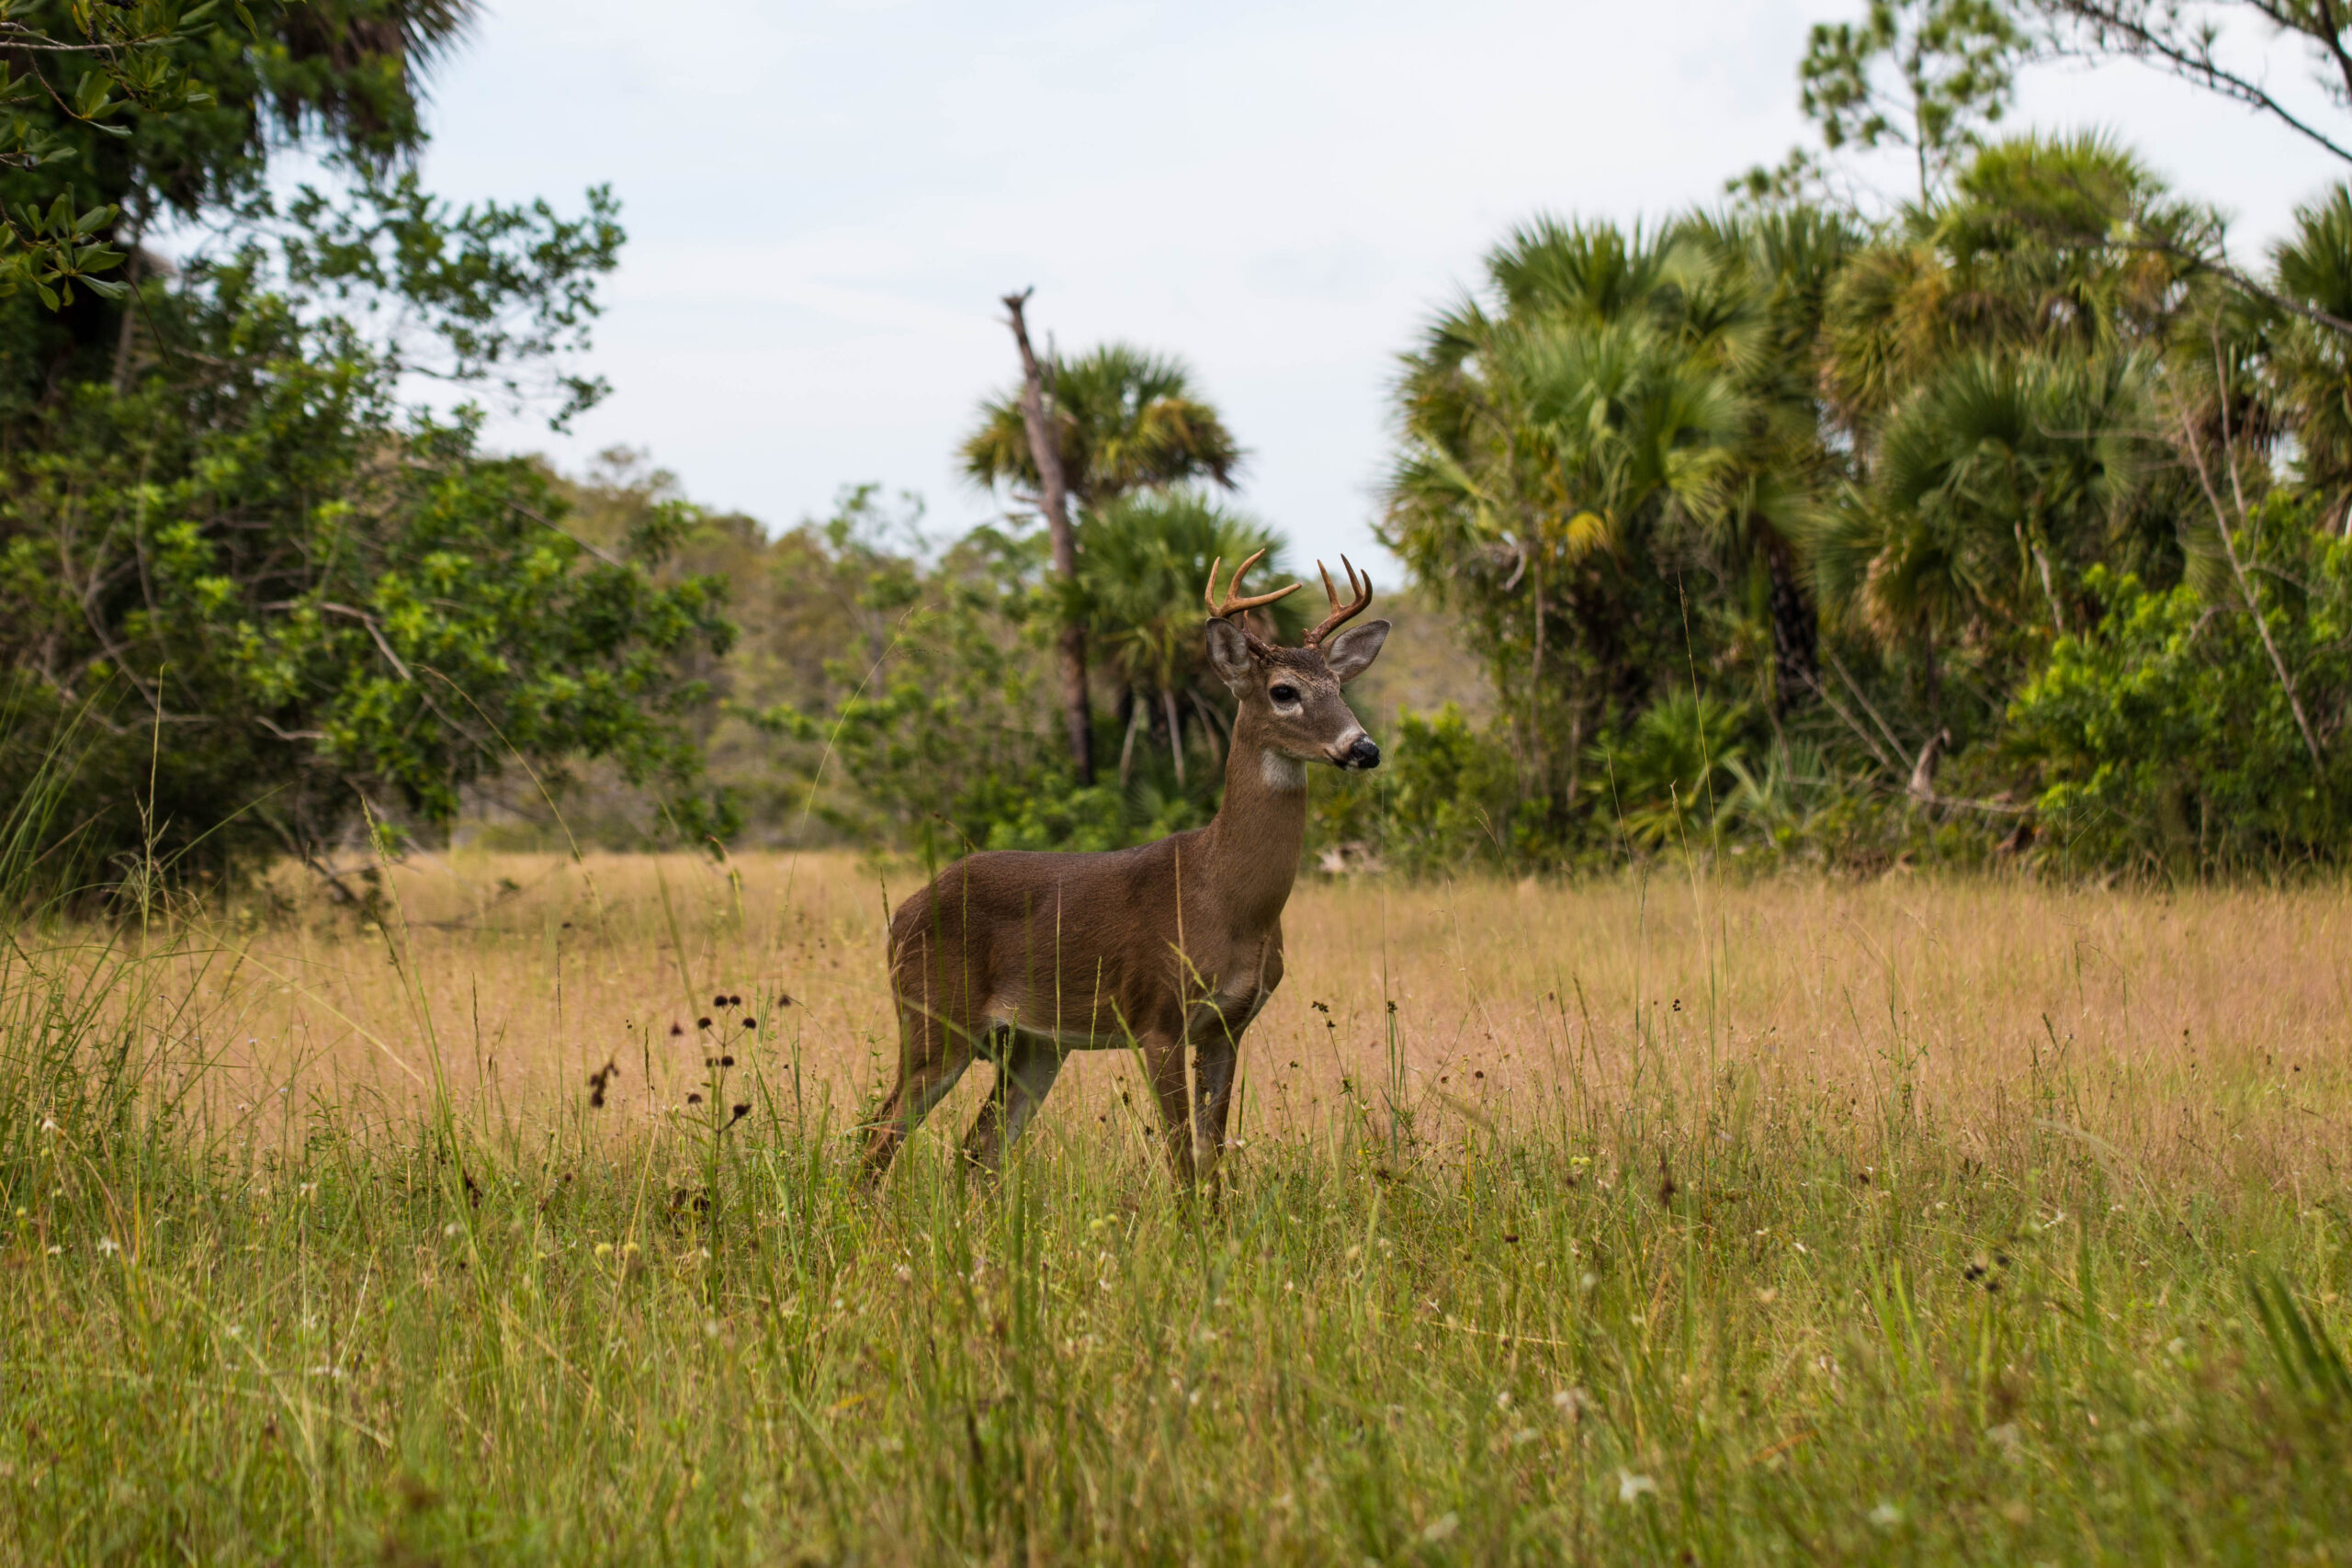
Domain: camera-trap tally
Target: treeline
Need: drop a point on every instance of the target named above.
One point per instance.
(2008, 527)
(2005, 519)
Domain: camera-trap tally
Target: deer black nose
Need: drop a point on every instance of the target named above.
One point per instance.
(1364, 755)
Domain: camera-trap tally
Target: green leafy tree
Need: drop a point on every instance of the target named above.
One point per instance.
(2162, 737)
(264, 602)
(1926, 76)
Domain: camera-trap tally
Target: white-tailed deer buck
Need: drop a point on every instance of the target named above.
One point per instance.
(1025, 957)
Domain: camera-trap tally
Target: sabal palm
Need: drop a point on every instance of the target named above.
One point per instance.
(1127, 420)
(1996, 484)
(1757, 309)
(2312, 363)
(1992, 364)
(1545, 430)
(1146, 562)
(1552, 440)
(2022, 257)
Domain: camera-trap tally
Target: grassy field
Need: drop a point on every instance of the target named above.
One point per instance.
(1650, 1221)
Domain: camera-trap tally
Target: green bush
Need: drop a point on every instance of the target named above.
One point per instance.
(2165, 736)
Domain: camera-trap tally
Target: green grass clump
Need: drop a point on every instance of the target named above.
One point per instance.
(1756, 1323)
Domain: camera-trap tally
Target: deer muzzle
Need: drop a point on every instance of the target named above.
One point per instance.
(1362, 756)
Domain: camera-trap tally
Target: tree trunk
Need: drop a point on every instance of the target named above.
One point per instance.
(1175, 733)
(1796, 666)
(1138, 713)
(1077, 717)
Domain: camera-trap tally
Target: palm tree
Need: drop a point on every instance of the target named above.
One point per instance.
(1551, 440)
(2312, 363)
(1115, 421)
(1995, 486)
(1127, 420)
(1147, 556)
(1991, 363)
(1758, 309)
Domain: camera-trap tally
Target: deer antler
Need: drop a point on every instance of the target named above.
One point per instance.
(1341, 614)
(1233, 604)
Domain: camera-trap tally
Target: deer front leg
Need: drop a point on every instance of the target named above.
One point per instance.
(1163, 1058)
(1024, 1074)
(1213, 1068)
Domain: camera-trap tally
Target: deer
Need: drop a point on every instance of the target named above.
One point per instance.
(1169, 949)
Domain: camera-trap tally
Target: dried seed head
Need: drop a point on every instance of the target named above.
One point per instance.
(734, 1001)
(702, 1023)
(719, 1000)
(751, 1023)
(694, 1100)
(676, 1030)
(726, 1061)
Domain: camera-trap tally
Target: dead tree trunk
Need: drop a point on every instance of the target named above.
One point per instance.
(1053, 492)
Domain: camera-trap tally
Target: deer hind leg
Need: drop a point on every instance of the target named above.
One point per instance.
(934, 1051)
(1025, 1070)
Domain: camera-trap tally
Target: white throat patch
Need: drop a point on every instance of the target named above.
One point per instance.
(1282, 772)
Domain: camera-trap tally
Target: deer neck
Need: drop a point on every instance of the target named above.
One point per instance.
(1261, 828)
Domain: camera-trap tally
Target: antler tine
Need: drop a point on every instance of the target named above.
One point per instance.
(1341, 614)
(1233, 604)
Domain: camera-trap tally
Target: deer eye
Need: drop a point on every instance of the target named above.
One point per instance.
(1284, 693)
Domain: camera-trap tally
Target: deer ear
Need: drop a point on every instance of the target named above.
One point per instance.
(1352, 651)
(1229, 655)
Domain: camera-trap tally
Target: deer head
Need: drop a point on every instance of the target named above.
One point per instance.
(1290, 699)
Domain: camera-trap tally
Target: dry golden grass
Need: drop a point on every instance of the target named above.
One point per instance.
(2199, 1031)
(1659, 1221)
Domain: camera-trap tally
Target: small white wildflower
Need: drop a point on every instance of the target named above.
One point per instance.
(1442, 1526)
(1503, 1400)
(2178, 1348)
(109, 1246)
(48, 1125)
(1886, 1516)
(2006, 1436)
(1630, 1486)
(906, 1275)
(450, 1229)
(710, 1328)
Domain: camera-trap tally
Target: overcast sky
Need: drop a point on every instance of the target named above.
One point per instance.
(825, 201)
